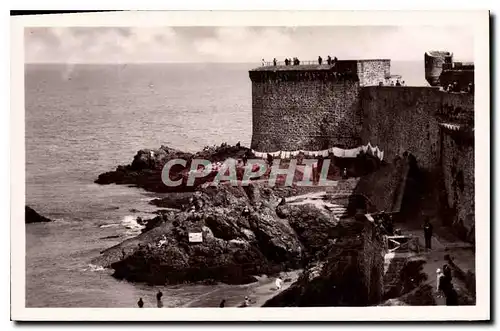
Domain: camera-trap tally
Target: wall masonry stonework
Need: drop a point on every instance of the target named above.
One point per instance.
(310, 115)
(319, 109)
(458, 176)
(372, 72)
(311, 107)
(399, 119)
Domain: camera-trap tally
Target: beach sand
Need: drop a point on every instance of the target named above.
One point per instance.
(258, 292)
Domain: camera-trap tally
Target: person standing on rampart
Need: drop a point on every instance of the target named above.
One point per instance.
(427, 234)
(320, 60)
(329, 60)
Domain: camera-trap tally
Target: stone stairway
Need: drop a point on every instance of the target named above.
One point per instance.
(320, 200)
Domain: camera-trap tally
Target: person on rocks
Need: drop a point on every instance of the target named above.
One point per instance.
(320, 60)
(238, 144)
(428, 234)
(222, 304)
(159, 303)
(287, 62)
(279, 283)
(140, 303)
(344, 173)
(275, 62)
(439, 281)
(329, 60)
(246, 303)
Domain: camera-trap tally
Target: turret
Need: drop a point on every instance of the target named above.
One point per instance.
(434, 61)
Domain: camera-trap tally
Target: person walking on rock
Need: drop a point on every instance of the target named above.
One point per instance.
(278, 283)
(427, 234)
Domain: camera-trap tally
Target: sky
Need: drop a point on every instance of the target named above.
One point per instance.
(241, 44)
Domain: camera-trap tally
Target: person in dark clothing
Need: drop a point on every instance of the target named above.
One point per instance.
(274, 62)
(451, 297)
(269, 159)
(286, 62)
(335, 59)
(159, 303)
(470, 88)
(238, 144)
(320, 60)
(329, 60)
(447, 271)
(398, 83)
(140, 303)
(319, 166)
(298, 61)
(222, 304)
(427, 234)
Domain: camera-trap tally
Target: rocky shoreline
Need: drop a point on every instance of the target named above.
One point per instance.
(246, 230)
(259, 229)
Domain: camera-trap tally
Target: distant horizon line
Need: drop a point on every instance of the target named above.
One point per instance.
(194, 62)
(208, 62)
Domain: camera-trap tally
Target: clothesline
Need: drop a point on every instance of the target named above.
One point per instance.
(338, 152)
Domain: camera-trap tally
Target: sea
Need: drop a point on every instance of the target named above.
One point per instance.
(85, 119)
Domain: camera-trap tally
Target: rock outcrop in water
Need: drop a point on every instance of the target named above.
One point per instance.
(146, 169)
(31, 216)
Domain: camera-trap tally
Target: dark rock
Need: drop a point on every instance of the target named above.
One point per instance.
(173, 200)
(111, 237)
(235, 246)
(314, 227)
(350, 275)
(32, 216)
(145, 171)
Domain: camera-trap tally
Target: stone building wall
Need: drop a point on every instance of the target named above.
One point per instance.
(458, 175)
(372, 72)
(399, 119)
(310, 115)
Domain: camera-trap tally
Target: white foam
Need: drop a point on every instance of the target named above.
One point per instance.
(130, 222)
(108, 225)
(94, 268)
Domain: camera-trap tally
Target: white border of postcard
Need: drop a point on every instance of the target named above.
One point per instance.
(478, 21)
